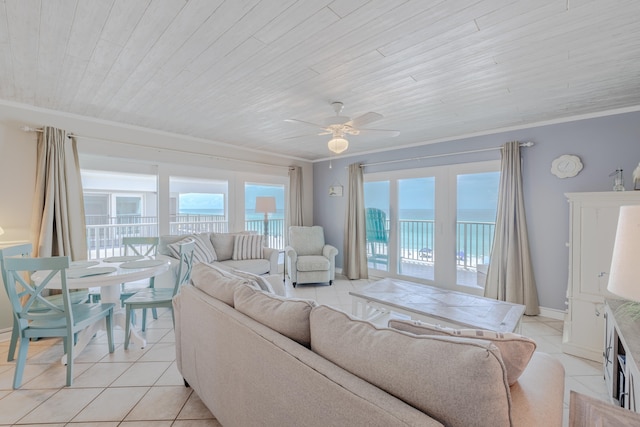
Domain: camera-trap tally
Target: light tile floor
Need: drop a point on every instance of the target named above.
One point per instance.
(142, 387)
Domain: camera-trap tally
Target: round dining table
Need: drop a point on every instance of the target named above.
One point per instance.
(108, 274)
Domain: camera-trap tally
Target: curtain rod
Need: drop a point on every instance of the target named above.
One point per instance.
(212, 156)
(523, 144)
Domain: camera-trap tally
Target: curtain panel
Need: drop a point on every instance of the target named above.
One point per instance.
(355, 238)
(295, 196)
(58, 221)
(510, 275)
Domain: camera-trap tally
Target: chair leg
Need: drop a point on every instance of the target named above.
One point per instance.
(144, 319)
(127, 329)
(155, 313)
(22, 360)
(15, 332)
(109, 321)
(68, 344)
(330, 282)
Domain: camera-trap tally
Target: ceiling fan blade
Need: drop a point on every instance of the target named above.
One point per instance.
(307, 135)
(387, 132)
(304, 123)
(364, 119)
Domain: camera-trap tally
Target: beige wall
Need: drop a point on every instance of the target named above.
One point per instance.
(112, 145)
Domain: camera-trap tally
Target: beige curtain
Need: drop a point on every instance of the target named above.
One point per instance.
(295, 196)
(58, 223)
(355, 236)
(510, 275)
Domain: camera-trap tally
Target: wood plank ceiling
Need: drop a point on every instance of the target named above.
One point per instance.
(232, 71)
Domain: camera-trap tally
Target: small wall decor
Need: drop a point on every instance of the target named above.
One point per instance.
(566, 166)
(335, 190)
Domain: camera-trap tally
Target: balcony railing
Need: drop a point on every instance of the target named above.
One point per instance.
(416, 242)
(104, 234)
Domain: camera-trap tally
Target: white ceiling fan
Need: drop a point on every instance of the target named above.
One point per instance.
(339, 126)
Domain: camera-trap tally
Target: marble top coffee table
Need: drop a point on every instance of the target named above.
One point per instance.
(436, 305)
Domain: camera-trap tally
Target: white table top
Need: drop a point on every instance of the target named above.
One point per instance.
(462, 309)
(118, 276)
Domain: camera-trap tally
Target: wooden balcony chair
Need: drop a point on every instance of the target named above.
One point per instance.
(159, 297)
(37, 317)
(377, 234)
(24, 251)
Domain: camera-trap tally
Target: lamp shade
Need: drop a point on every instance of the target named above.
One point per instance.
(265, 204)
(624, 275)
(338, 145)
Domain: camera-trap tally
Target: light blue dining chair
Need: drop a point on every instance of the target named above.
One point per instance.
(24, 250)
(159, 297)
(37, 317)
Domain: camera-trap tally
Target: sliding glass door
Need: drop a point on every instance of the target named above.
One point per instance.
(438, 223)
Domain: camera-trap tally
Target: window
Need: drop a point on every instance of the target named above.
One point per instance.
(440, 223)
(117, 205)
(270, 223)
(198, 205)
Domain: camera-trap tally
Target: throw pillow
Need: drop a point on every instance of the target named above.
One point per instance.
(430, 373)
(288, 316)
(202, 252)
(516, 350)
(216, 282)
(223, 244)
(248, 246)
(259, 281)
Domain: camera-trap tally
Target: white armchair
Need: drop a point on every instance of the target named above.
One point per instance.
(307, 258)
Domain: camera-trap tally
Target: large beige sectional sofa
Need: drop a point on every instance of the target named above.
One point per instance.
(255, 358)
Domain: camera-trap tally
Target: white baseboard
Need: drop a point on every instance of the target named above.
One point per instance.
(552, 313)
(5, 335)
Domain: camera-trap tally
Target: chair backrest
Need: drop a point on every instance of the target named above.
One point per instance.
(23, 250)
(307, 240)
(186, 264)
(143, 246)
(27, 301)
(376, 222)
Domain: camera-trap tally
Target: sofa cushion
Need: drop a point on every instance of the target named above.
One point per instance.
(217, 282)
(431, 373)
(516, 350)
(313, 263)
(288, 316)
(247, 246)
(223, 244)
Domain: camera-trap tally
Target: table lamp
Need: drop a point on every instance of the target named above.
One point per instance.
(624, 275)
(266, 205)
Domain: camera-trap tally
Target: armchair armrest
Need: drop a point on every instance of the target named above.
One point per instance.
(329, 251)
(271, 255)
(290, 260)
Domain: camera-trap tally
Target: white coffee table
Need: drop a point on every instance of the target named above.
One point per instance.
(436, 305)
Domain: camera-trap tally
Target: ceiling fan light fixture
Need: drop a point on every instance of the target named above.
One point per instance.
(338, 145)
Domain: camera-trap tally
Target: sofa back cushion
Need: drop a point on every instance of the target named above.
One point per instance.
(288, 316)
(459, 382)
(515, 350)
(217, 282)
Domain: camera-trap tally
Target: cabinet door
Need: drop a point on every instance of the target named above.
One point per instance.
(598, 231)
(610, 358)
